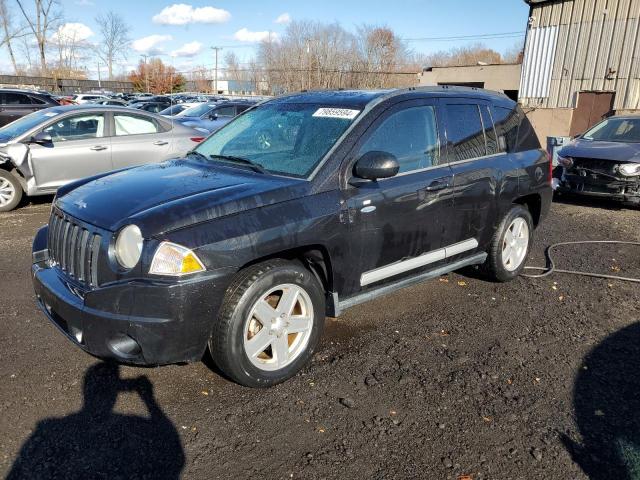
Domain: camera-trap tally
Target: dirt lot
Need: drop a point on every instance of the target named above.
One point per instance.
(533, 379)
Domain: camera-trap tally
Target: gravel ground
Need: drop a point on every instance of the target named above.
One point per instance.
(456, 378)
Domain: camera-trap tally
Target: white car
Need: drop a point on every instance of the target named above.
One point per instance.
(88, 97)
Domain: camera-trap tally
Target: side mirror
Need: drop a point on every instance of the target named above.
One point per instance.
(375, 164)
(213, 116)
(42, 138)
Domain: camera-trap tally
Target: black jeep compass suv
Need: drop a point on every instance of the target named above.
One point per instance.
(299, 208)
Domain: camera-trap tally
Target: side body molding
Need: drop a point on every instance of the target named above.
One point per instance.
(396, 268)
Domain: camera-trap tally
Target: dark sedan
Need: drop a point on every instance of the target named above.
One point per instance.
(605, 161)
(211, 116)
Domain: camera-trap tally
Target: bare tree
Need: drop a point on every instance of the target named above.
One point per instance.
(114, 31)
(514, 54)
(9, 32)
(232, 67)
(72, 54)
(200, 79)
(462, 56)
(41, 21)
(312, 55)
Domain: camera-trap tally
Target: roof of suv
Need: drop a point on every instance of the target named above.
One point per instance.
(25, 90)
(361, 98)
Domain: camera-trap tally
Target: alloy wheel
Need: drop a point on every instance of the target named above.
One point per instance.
(7, 192)
(278, 328)
(515, 244)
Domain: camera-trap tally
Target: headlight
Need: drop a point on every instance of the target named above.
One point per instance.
(630, 169)
(566, 162)
(129, 246)
(175, 260)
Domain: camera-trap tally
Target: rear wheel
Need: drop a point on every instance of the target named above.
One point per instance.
(10, 191)
(510, 245)
(269, 325)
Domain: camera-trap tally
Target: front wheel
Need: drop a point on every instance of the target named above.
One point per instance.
(510, 245)
(10, 191)
(270, 323)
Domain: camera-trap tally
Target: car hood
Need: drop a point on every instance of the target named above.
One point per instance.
(174, 194)
(614, 151)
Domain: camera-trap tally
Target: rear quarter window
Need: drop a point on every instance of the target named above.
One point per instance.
(515, 132)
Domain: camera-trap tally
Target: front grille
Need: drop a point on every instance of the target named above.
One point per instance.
(75, 249)
(595, 166)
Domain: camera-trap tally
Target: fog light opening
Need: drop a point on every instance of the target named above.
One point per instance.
(76, 333)
(124, 346)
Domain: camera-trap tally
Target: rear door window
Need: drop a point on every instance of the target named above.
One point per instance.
(37, 101)
(133, 125)
(225, 111)
(489, 131)
(465, 132)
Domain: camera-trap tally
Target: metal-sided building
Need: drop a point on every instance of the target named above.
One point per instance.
(581, 63)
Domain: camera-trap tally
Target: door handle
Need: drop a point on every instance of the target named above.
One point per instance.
(160, 143)
(439, 184)
(97, 148)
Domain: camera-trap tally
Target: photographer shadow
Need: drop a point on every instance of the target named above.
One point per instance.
(606, 401)
(96, 442)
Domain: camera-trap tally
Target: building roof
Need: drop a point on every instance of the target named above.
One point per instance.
(535, 2)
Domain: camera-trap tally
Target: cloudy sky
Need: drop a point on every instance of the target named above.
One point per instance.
(182, 33)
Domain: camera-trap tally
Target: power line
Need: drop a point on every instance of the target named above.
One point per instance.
(480, 36)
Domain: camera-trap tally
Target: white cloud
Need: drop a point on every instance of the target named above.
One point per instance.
(244, 35)
(183, 14)
(150, 44)
(72, 32)
(84, 3)
(283, 18)
(190, 49)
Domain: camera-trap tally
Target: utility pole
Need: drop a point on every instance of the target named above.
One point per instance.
(146, 72)
(215, 75)
(99, 79)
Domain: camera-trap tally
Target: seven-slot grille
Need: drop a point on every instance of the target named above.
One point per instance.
(75, 249)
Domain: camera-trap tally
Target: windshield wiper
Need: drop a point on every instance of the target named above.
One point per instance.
(197, 154)
(256, 167)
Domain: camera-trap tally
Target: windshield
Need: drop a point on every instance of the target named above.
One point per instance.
(197, 110)
(616, 130)
(288, 139)
(24, 124)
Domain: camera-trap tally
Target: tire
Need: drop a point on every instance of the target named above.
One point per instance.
(500, 266)
(10, 191)
(257, 354)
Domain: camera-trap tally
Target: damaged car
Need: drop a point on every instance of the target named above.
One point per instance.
(48, 149)
(604, 162)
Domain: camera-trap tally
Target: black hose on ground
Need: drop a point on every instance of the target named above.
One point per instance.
(551, 266)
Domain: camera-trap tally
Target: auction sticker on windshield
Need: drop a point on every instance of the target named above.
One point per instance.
(336, 113)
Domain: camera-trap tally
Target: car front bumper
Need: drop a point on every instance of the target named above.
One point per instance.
(140, 322)
(624, 191)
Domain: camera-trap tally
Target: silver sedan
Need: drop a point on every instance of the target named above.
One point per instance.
(47, 149)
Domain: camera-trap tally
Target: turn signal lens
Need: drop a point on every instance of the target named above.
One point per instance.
(175, 260)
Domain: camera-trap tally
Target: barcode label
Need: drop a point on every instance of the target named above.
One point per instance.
(336, 113)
